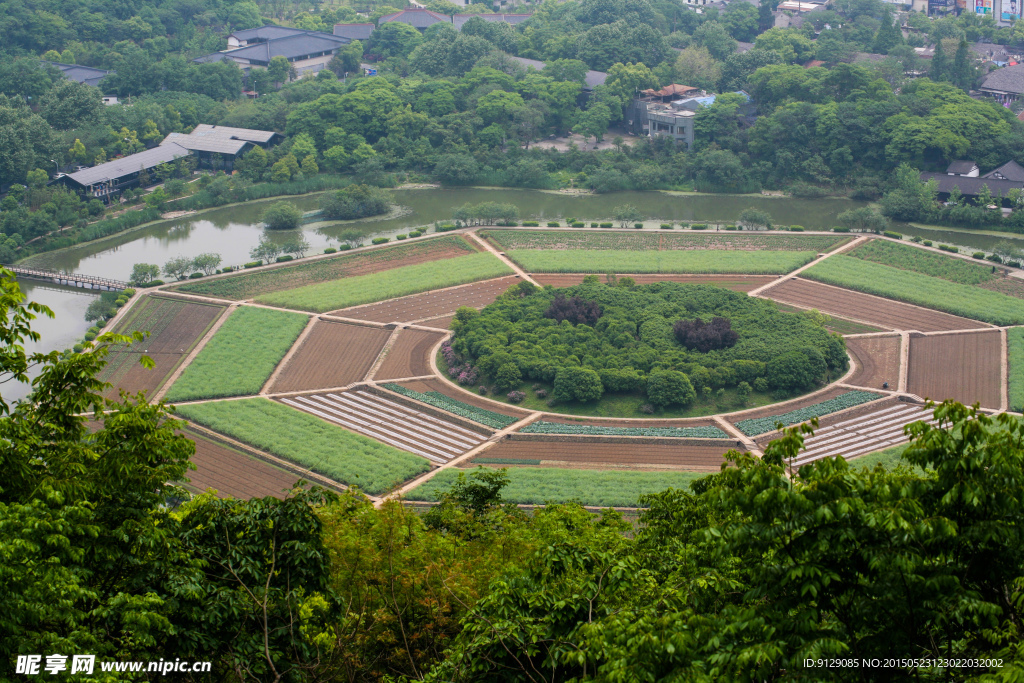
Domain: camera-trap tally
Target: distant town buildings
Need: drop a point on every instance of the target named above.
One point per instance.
(306, 51)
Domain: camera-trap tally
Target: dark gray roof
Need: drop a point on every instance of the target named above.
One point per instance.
(207, 143)
(972, 186)
(592, 79)
(1011, 170)
(742, 47)
(249, 134)
(458, 20)
(353, 31)
(1009, 79)
(961, 166)
(266, 33)
(129, 164)
(215, 57)
(289, 47)
(417, 18)
(81, 74)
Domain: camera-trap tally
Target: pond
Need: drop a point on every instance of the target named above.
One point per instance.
(233, 231)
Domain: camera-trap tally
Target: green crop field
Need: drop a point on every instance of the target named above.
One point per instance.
(1015, 348)
(364, 289)
(317, 445)
(920, 289)
(241, 356)
(537, 486)
(249, 284)
(905, 257)
(648, 241)
(692, 261)
(762, 425)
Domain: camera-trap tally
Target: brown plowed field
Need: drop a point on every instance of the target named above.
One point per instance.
(247, 285)
(737, 283)
(409, 356)
(965, 367)
(874, 310)
(427, 385)
(175, 326)
(878, 361)
(694, 458)
(440, 302)
(236, 474)
(332, 355)
(441, 323)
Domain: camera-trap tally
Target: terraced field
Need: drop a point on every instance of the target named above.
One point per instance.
(332, 355)
(676, 261)
(437, 303)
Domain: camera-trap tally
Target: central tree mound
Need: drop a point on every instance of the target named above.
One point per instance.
(667, 343)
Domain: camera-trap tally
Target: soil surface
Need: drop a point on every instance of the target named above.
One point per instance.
(878, 361)
(874, 310)
(964, 367)
(236, 474)
(441, 302)
(409, 356)
(333, 354)
(562, 453)
(737, 283)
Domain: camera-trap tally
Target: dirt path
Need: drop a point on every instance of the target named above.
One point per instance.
(504, 259)
(789, 276)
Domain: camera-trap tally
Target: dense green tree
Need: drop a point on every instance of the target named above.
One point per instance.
(670, 388)
(281, 216)
(577, 384)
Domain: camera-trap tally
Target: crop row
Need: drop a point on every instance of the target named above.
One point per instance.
(918, 260)
(247, 285)
(920, 289)
(388, 284)
(1015, 351)
(538, 486)
(308, 441)
(647, 241)
(680, 432)
(762, 425)
(446, 403)
(241, 356)
(693, 261)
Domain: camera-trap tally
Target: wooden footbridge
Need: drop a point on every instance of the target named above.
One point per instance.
(68, 279)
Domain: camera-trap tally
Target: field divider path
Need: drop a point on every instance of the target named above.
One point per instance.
(228, 310)
(468, 455)
(288, 356)
(379, 361)
(792, 274)
(729, 428)
(1004, 370)
(353, 321)
(501, 257)
(939, 333)
(274, 460)
(904, 361)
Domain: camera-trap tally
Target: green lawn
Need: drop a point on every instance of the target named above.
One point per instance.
(308, 441)
(906, 257)
(629, 261)
(537, 486)
(364, 289)
(1015, 348)
(920, 289)
(241, 356)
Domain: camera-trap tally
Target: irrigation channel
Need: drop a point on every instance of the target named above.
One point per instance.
(233, 231)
